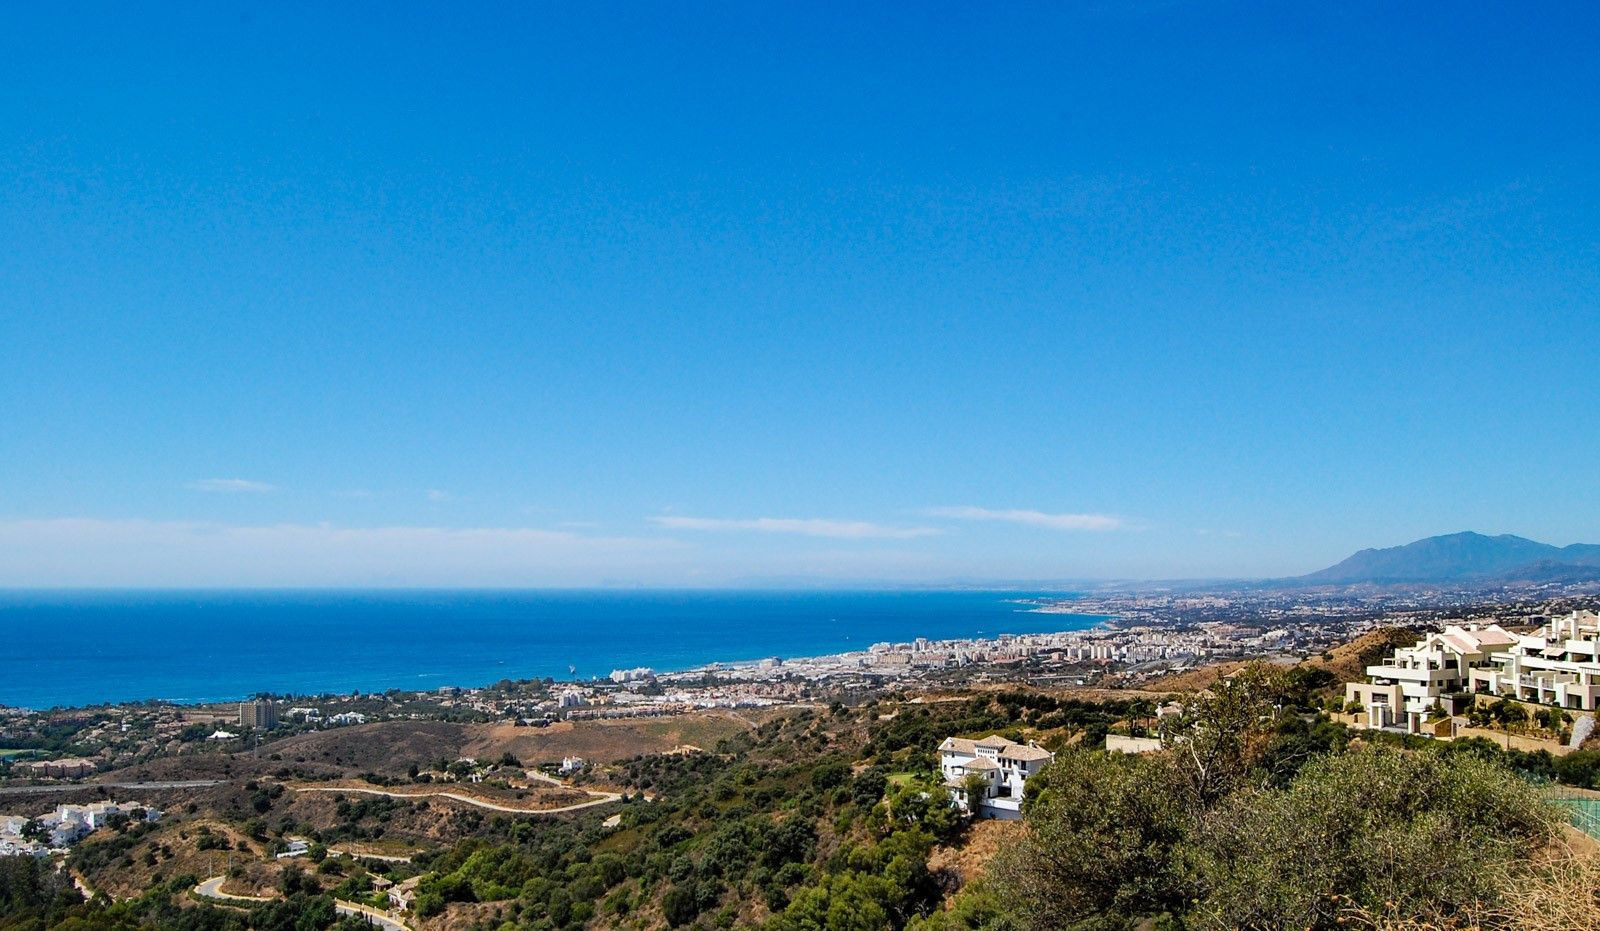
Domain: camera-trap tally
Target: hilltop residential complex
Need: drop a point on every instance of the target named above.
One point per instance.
(1405, 688)
(1557, 665)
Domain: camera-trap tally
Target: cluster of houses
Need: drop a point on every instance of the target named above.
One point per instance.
(75, 768)
(64, 827)
(14, 839)
(1556, 665)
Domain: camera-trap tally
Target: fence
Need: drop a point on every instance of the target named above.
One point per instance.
(1582, 807)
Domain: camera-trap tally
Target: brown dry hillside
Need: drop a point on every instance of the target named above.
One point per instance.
(603, 741)
(122, 870)
(1194, 680)
(969, 859)
(388, 747)
(1347, 662)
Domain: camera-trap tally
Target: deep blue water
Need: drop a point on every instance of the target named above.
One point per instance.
(77, 648)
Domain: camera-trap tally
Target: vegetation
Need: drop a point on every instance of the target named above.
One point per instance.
(1260, 813)
(35, 897)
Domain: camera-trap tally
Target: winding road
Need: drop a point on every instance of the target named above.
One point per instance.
(212, 889)
(601, 798)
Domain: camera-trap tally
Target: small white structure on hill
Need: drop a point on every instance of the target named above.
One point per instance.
(296, 847)
(1004, 765)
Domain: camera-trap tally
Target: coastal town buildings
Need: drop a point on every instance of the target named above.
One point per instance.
(1559, 664)
(1407, 688)
(1003, 766)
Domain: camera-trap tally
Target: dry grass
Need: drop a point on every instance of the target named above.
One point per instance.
(123, 879)
(387, 747)
(1194, 680)
(602, 741)
(1557, 892)
(1350, 660)
(971, 858)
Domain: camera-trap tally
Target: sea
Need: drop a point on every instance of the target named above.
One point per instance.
(70, 649)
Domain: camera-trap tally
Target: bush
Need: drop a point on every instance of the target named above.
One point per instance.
(1418, 835)
(1580, 768)
(1104, 830)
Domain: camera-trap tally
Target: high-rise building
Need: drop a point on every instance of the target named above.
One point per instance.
(261, 715)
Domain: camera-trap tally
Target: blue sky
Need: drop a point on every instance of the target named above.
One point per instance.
(700, 294)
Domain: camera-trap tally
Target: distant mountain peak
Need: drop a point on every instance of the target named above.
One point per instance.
(1463, 556)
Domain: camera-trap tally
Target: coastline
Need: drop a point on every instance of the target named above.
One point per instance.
(468, 640)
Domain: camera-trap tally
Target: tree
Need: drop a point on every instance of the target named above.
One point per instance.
(1223, 733)
(1103, 831)
(1417, 835)
(1579, 768)
(975, 787)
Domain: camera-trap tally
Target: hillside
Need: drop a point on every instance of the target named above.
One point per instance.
(1345, 663)
(1464, 556)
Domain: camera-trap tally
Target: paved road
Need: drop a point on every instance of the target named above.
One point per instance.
(212, 889)
(601, 798)
(385, 857)
(80, 786)
(373, 916)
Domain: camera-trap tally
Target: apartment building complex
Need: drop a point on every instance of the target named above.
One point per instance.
(1559, 664)
(260, 715)
(1402, 690)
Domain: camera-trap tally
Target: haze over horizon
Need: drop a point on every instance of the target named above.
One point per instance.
(538, 296)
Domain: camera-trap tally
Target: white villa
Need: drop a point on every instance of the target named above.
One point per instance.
(1404, 688)
(1556, 665)
(1006, 765)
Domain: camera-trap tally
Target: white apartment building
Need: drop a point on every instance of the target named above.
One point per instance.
(1403, 689)
(1007, 767)
(1556, 665)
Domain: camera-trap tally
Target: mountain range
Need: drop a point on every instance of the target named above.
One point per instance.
(1468, 556)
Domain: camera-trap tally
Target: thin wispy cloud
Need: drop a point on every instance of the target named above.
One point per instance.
(92, 551)
(236, 486)
(802, 526)
(1090, 522)
(437, 495)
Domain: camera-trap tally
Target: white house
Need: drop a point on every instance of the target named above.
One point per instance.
(296, 847)
(1556, 665)
(1403, 689)
(402, 895)
(1005, 765)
